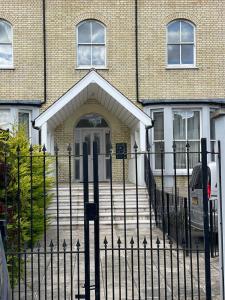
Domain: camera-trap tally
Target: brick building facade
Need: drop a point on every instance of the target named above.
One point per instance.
(116, 65)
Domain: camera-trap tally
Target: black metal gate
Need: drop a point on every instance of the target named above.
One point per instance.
(112, 240)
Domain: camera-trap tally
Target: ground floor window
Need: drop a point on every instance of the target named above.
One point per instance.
(4, 119)
(25, 121)
(186, 129)
(178, 125)
(212, 135)
(158, 138)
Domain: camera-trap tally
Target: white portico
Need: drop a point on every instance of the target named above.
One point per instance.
(92, 125)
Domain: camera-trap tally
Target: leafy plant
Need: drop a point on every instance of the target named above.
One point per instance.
(27, 192)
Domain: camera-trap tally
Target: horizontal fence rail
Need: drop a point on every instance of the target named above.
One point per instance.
(108, 225)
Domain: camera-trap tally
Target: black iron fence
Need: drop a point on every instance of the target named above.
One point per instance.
(173, 212)
(106, 240)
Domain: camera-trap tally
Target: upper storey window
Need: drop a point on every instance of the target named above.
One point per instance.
(91, 50)
(181, 44)
(6, 50)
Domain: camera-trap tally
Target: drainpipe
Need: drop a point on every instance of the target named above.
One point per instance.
(147, 128)
(44, 66)
(136, 52)
(44, 50)
(39, 132)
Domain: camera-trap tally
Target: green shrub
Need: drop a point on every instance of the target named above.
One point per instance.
(16, 145)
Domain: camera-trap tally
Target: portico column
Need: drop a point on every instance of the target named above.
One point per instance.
(44, 135)
(141, 148)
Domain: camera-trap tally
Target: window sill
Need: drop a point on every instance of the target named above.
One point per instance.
(181, 67)
(91, 68)
(179, 172)
(7, 68)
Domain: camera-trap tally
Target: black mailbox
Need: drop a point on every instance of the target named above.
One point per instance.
(121, 151)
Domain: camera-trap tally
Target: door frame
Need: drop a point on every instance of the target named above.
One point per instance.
(79, 134)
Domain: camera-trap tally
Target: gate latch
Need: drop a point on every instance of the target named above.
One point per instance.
(90, 211)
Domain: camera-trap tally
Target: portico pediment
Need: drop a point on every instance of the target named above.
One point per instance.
(93, 86)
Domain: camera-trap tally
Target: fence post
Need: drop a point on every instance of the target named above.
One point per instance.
(219, 117)
(206, 219)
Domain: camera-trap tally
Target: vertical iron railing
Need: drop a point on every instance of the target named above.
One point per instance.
(142, 235)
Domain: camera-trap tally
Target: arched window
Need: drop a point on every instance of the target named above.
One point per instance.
(6, 50)
(181, 43)
(91, 49)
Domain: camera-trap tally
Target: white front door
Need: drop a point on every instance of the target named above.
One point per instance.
(89, 136)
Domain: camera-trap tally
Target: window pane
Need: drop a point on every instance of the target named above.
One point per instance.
(158, 126)
(179, 127)
(84, 33)
(24, 121)
(98, 33)
(173, 32)
(187, 32)
(194, 157)
(84, 55)
(87, 139)
(98, 55)
(181, 157)
(212, 127)
(4, 119)
(5, 55)
(187, 54)
(193, 124)
(173, 54)
(159, 160)
(5, 33)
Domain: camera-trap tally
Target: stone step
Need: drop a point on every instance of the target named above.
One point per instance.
(131, 223)
(102, 206)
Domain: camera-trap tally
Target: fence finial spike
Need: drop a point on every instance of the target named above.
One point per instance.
(64, 244)
(31, 148)
(119, 241)
(145, 241)
(56, 149)
(69, 148)
(158, 241)
(44, 148)
(132, 241)
(51, 245)
(105, 241)
(135, 146)
(78, 244)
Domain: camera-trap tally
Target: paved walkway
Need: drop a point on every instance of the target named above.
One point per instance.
(159, 276)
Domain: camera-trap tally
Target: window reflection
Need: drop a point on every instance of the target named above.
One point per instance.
(91, 44)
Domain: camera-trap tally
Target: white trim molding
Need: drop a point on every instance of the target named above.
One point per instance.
(93, 77)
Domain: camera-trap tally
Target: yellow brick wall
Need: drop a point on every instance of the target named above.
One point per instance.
(62, 16)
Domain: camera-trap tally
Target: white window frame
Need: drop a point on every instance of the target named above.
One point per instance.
(91, 44)
(181, 66)
(12, 65)
(30, 118)
(212, 156)
(192, 140)
(153, 141)
(9, 111)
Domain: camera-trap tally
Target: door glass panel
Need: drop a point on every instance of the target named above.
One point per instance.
(77, 149)
(97, 140)
(87, 139)
(77, 169)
